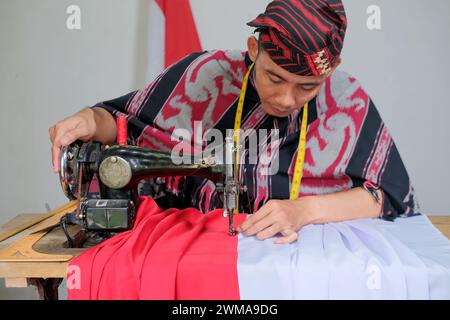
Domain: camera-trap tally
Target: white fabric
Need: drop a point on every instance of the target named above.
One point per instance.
(362, 259)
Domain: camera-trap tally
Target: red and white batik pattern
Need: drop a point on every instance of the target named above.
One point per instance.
(347, 142)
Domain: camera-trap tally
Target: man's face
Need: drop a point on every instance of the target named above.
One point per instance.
(280, 91)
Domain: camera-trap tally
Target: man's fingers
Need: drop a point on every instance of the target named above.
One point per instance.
(62, 139)
(289, 236)
(72, 136)
(51, 133)
(287, 232)
(260, 225)
(257, 216)
(269, 232)
(55, 157)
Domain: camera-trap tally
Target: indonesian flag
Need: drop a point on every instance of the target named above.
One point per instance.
(172, 34)
(187, 255)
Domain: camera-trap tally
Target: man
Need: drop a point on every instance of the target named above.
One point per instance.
(351, 168)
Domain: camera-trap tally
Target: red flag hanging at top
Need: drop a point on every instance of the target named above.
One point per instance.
(181, 32)
(172, 34)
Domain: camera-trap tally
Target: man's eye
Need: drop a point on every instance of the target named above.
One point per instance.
(275, 80)
(309, 88)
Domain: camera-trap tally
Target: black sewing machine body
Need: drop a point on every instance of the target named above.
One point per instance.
(119, 170)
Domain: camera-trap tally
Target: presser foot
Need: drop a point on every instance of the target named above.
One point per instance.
(231, 230)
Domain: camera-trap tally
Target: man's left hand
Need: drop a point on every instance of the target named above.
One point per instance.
(281, 216)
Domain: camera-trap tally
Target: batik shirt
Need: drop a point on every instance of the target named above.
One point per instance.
(347, 141)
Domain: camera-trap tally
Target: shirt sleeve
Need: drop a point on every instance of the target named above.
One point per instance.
(141, 107)
(377, 160)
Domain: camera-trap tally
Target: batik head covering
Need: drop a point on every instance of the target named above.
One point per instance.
(304, 37)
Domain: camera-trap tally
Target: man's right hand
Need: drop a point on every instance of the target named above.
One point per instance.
(80, 126)
(86, 125)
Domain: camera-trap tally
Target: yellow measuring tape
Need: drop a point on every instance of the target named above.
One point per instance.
(298, 171)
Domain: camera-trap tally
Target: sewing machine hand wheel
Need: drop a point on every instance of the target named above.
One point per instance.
(70, 169)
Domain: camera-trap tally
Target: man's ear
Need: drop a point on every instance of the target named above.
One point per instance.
(253, 47)
(338, 62)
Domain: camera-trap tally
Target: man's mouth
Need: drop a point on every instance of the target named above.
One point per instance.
(281, 111)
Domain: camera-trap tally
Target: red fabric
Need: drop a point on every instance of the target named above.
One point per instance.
(181, 32)
(172, 254)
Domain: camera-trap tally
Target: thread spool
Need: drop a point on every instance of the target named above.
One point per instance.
(122, 130)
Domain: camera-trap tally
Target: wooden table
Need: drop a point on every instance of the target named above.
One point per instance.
(41, 259)
(38, 259)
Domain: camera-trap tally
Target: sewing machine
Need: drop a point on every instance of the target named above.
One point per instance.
(119, 169)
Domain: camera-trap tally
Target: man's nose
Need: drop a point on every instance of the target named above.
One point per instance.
(286, 99)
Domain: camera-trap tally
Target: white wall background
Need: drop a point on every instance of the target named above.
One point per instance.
(48, 72)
